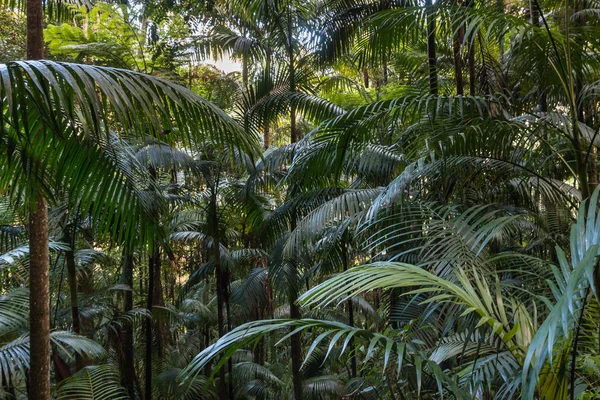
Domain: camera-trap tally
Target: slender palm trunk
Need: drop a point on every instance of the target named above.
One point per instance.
(126, 363)
(431, 49)
(295, 340)
(457, 45)
(149, 338)
(72, 277)
(160, 329)
(245, 72)
(267, 127)
(296, 343)
(296, 352)
(471, 59)
(39, 302)
(472, 72)
(39, 263)
(292, 73)
(350, 307)
(534, 13)
(221, 283)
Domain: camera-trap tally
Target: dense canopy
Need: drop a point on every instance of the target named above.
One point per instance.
(285, 199)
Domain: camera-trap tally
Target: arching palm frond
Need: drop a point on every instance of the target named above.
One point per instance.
(571, 289)
(14, 355)
(248, 334)
(101, 382)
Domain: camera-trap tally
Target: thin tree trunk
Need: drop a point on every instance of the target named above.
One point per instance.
(472, 72)
(295, 341)
(534, 14)
(296, 353)
(471, 60)
(158, 300)
(72, 277)
(245, 72)
(293, 129)
(39, 263)
(431, 49)
(220, 278)
(350, 307)
(292, 73)
(39, 301)
(267, 136)
(296, 345)
(127, 365)
(501, 6)
(267, 127)
(457, 44)
(149, 339)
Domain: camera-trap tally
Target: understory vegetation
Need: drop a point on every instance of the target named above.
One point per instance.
(285, 199)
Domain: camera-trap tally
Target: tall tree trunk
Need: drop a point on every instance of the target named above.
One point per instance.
(471, 59)
(501, 7)
(127, 365)
(472, 72)
(149, 338)
(296, 345)
(39, 263)
(457, 44)
(267, 72)
(296, 352)
(221, 284)
(245, 72)
(295, 341)
(534, 17)
(72, 277)
(293, 129)
(534, 13)
(292, 73)
(431, 49)
(39, 301)
(350, 307)
(160, 329)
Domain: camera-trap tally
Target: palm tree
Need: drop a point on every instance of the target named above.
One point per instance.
(73, 132)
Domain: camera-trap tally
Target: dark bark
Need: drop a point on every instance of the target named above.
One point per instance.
(72, 277)
(127, 365)
(35, 32)
(471, 60)
(221, 283)
(350, 308)
(472, 72)
(292, 77)
(296, 353)
(39, 301)
(534, 13)
(458, 74)
(149, 338)
(365, 72)
(160, 329)
(39, 263)
(431, 48)
(296, 345)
